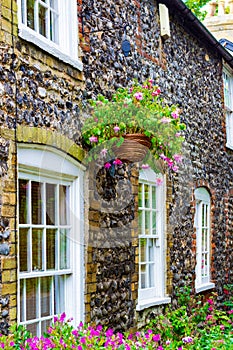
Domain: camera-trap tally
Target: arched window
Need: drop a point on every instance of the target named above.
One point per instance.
(50, 215)
(203, 239)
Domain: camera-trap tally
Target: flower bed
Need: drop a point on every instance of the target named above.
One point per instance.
(193, 325)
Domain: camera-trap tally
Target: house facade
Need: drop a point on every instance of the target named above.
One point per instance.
(108, 249)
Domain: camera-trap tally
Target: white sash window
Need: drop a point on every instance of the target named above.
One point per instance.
(50, 236)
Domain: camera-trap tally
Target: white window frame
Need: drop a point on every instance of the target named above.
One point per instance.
(202, 223)
(148, 297)
(228, 101)
(41, 164)
(67, 48)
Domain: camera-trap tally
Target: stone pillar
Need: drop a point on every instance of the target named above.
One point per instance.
(221, 7)
(211, 9)
(230, 2)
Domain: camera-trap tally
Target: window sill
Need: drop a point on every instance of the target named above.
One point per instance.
(204, 287)
(46, 45)
(228, 145)
(144, 304)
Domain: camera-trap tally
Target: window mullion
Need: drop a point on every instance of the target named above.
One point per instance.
(39, 303)
(36, 16)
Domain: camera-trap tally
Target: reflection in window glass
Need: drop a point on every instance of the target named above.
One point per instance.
(36, 195)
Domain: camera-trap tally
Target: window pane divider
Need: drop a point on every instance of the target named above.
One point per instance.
(24, 275)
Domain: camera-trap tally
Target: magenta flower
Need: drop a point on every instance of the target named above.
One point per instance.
(209, 317)
(175, 115)
(168, 342)
(156, 337)
(109, 332)
(130, 90)
(178, 158)
(116, 129)
(62, 317)
(150, 81)
(222, 327)
(162, 156)
(156, 92)
(145, 86)
(138, 96)
(117, 162)
(107, 165)
(93, 139)
(210, 301)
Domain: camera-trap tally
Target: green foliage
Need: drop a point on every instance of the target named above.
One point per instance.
(196, 6)
(194, 324)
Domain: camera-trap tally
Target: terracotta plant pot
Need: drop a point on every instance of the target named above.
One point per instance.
(134, 148)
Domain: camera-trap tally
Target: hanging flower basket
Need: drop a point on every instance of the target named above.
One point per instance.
(134, 148)
(142, 118)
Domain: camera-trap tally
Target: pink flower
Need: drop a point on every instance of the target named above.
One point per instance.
(209, 317)
(104, 152)
(175, 168)
(145, 166)
(130, 89)
(230, 312)
(175, 114)
(165, 120)
(62, 317)
(159, 181)
(210, 308)
(107, 165)
(93, 139)
(117, 162)
(145, 86)
(222, 327)
(178, 158)
(138, 96)
(162, 156)
(156, 92)
(116, 129)
(96, 120)
(177, 134)
(210, 301)
(150, 81)
(168, 342)
(99, 102)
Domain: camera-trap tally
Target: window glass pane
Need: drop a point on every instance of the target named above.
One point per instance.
(63, 201)
(42, 20)
(140, 204)
(140, 218)
(59, 303)
(64, 249)
(23, 204)
(143, 276)
(50, 204)
(36, 202)
(151, 276)
(22, 301)
(54, 27)
(153, 197)
(45, 285)
(143, 249)
(31, 298)
(150, 243)
(147, 222)
(37, 249)
(24, 249)
(30, 14)
(50, 249)
(154, 218)
(147, 196)
(44, 326)
(33, 328)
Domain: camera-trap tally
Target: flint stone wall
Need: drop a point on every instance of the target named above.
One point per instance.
(189, 74)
